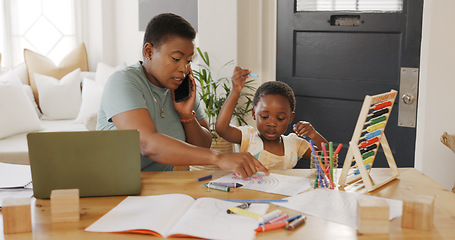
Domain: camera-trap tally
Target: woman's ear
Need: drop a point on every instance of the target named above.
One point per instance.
(148, 51)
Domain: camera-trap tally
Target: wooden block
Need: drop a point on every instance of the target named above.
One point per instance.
(65, 205)
(418, 212)
(448, 140)
(372, 215)
(17, 216)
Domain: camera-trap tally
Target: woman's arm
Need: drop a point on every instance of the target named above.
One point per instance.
(198, 133)
(170, 151)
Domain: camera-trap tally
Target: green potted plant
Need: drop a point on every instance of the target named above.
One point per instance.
(214, 91)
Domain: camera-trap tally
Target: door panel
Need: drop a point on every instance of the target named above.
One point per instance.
(331, 67)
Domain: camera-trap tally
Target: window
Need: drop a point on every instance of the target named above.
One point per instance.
(44, 26)
(350, 5)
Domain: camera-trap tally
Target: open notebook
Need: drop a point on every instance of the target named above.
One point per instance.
(179, 215)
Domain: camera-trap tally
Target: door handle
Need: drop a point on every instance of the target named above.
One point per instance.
(407, 98)
(407, 108)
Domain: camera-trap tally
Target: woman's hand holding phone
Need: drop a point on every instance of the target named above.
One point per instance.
(185, 96)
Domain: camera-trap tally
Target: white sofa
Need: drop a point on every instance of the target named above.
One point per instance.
(14, 148)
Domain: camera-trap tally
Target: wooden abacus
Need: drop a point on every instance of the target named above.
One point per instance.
(371, 123)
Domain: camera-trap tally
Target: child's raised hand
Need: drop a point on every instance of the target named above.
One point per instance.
(239, 78)
(303, 128)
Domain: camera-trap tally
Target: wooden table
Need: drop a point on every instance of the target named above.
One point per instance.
(409, 182)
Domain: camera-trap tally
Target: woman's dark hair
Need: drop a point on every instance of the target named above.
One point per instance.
(275, 88)
(165, 25)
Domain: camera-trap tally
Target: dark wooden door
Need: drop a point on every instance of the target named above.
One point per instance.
(332, 59)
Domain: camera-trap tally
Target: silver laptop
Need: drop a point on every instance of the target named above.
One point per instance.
(98, 163)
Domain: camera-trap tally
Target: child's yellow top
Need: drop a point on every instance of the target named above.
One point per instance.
(294, 148)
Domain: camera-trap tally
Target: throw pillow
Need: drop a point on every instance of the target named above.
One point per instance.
(29, 93)
(17, 113)
(21, 73)
(104, 71)
(40, 64)
(59, 99)
(91, 99)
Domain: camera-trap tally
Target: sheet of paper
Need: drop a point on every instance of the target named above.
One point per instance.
(336, 206)
(208, 218)
(274, 183)
(14, 175)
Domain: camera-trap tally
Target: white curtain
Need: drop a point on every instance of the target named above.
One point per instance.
(45, 26)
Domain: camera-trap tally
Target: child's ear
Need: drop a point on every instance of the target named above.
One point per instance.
(292, 117)
(253, 113)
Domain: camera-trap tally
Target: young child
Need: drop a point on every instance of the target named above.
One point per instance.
(273, 110)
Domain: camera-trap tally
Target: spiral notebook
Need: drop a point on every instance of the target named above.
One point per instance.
(14, 176)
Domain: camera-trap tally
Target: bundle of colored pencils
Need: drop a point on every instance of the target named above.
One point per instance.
(324, 171)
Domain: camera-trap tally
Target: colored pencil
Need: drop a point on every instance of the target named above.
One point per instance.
(337, 150)
(256, 200)
(331, 158)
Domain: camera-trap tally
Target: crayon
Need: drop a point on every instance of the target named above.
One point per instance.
(290, 219)
(294, 224)
(244, 212)
(226, 184)
(253, 75)
(271, 226)
(204, 178)
(217, 187)
(279, 219)
(269, 216)
(242, 206)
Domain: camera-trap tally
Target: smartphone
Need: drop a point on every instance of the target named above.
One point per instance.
(183, 91)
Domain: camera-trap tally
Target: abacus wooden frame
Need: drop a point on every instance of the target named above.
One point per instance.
(354, 151)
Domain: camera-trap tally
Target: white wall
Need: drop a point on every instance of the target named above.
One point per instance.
(436, 110)
(217, 32)
(128, 37)
(244, 31)
(111, 32)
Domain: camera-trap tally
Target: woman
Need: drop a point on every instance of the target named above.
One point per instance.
(142, 97)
